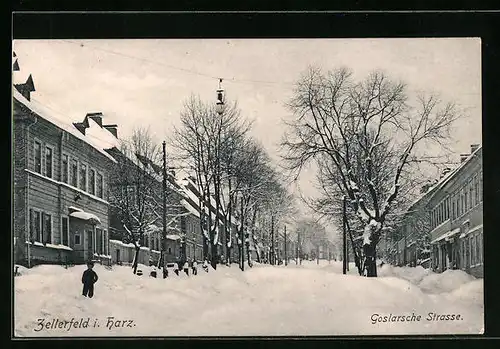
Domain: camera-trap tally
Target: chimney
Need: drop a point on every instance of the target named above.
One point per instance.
(473, 148)
(80, 126)
(97, 117)
(112, 128)
(463, 157)
(26, 88)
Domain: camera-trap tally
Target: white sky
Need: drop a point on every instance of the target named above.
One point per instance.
(146, 81)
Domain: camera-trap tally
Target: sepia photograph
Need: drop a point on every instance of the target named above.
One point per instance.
(247, 187)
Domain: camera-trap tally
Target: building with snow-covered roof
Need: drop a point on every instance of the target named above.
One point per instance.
(442, 229)
(60, 184)
(456, 217)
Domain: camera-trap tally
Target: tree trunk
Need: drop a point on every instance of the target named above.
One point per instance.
(370, 259)
(136, 259)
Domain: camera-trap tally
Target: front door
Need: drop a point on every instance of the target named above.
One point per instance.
(117, 256)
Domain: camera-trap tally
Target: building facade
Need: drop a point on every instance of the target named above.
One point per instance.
(456, 211)
(60, 187)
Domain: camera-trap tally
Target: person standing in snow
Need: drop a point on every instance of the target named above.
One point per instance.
(186, 267)
(194, 267)
(205, 265)
(89, 278)
(176, 268)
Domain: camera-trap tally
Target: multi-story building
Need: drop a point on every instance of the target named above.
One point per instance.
(60, 185)
(456, 216)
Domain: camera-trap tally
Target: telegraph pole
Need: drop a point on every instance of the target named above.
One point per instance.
(286, 256)
(344, 237)
(164, 197)
(272, 240)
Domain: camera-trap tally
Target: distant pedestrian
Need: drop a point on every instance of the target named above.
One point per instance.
(205, 265)
(186, 267)
(89, 278)
(176, 269)
(194, 267)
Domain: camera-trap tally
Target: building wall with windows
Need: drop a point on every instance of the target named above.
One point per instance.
(457, 219)
(57, 174)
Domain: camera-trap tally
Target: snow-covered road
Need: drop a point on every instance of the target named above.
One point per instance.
(262, 301)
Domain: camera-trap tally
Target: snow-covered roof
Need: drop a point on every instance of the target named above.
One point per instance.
(190, 208)
(173, 237)
(75, 209)
(101, 136)
(443, 181)
(86, 216)
(447, 236)
(472, 230)
(120, 243)
(58, 120)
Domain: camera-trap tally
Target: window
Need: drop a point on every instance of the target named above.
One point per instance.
(38, 157)
(92, 182)
(169, 250)
(466, 200)
(65, 231)
(65, 168)
(476, 189)
(472, 246)
(98, 240)
(462, 207)
(476, 253)
(454, 209)
(106, 242)
(480, 243)
(99, 185)
(35, 226)
(471, 204)
(77, 239)
(463, 261)
(83, 177)
(481, 186)
(74, 173)
(47, 228)
(48, 162)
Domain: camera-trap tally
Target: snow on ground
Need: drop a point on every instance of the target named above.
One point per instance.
(307, 299)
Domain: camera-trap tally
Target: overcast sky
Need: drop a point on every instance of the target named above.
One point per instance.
(146, 81)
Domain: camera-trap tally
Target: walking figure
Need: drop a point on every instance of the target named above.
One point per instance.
(186, 267)
(194, 267)
(89, 278)
(176, 269)
(205, 265)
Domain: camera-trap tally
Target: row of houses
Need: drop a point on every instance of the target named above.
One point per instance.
(443, 228)
(66, 181)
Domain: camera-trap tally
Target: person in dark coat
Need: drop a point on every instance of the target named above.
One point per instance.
(194, 267)
(89, 278)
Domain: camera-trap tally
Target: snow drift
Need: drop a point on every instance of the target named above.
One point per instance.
(262, 301)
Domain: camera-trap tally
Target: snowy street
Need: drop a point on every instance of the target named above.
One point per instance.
(262, 301)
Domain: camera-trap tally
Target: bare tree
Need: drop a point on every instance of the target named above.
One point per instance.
(341, 124)
(136, 190)
(206, 141)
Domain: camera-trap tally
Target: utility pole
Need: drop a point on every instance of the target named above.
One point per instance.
(344, 237)
(164, 197)
(272, 240)
(286, 256)
(242, 239)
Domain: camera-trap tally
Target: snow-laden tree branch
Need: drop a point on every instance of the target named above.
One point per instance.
(363, 137)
